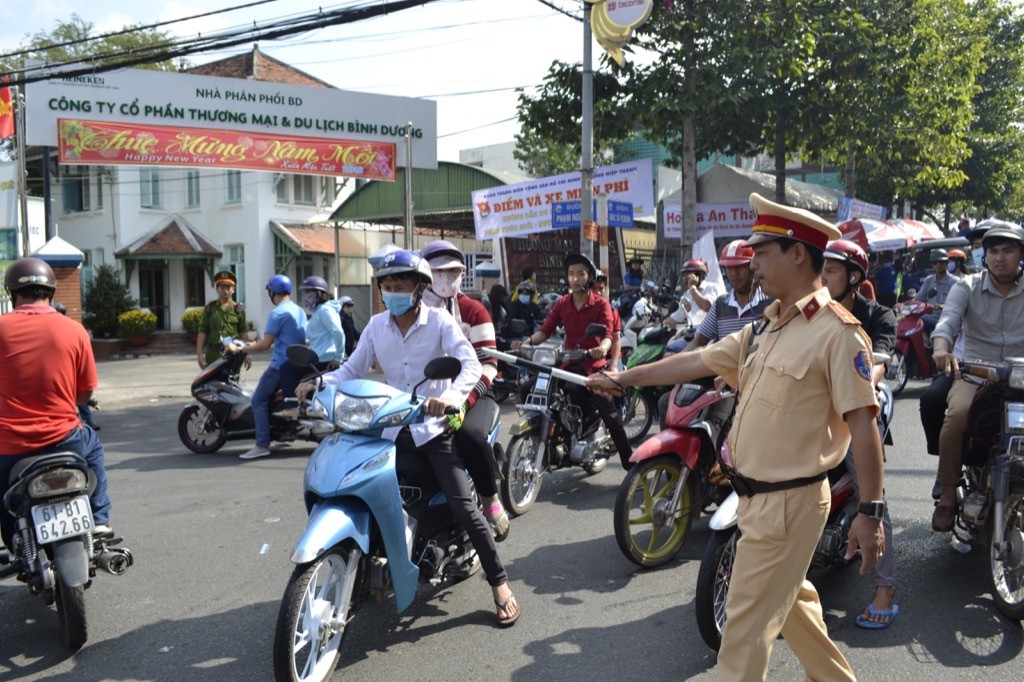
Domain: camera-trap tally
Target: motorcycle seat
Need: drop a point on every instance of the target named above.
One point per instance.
(53, 458)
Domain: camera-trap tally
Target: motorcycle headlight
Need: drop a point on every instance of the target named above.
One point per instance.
(545, 356)
(355, 414)
(1015, 417)
(57, 482)
(1016, 378)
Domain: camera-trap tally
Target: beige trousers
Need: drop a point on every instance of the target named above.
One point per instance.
(769, 594)
(951, 437)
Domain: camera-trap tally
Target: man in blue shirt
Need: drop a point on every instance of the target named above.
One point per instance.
(286, 324)
(885, 283)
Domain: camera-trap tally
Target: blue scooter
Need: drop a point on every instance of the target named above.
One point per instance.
(378, 521)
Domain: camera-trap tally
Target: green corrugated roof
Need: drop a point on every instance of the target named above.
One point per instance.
(441, 198)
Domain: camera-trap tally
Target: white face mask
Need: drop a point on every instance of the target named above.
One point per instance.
(978, 254)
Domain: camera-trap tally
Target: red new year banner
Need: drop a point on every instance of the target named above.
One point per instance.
(102, 143)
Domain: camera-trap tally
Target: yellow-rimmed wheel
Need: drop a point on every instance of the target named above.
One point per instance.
(651, 519)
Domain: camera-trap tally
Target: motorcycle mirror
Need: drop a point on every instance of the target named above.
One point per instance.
(442, 368)
(301, 355)
(518, 327)
(438, 368)
(594, 329)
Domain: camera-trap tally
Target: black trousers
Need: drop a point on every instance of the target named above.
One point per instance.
(933, 409)
(448, 468)
(476, 451)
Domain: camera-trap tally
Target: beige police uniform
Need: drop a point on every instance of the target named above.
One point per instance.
(798, 375)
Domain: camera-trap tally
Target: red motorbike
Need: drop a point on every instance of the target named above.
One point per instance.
(910, 358)
(669, 484)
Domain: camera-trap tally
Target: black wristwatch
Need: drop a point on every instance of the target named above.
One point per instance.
(875, 510)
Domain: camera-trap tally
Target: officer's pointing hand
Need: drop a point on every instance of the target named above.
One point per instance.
(601, 383)
(867, 535)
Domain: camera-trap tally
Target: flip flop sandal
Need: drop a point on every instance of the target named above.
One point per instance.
(500, 524)
(876, 625)
(503, 605)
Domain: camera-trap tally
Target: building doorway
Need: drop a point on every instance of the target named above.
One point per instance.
(153, 290)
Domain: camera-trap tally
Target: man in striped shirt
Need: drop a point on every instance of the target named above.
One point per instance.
(732, 311)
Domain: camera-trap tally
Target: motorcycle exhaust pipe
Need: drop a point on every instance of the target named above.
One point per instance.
(115, 561)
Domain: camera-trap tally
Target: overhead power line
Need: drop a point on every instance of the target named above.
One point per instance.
(174, 50)
(131, 29)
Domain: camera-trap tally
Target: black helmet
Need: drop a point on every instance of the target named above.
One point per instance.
(314, 283)
(1000, 231)
(938, 256)
(29, 272)
(580, 259)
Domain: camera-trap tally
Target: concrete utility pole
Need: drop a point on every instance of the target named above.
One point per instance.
(587, 146)
(408, 187)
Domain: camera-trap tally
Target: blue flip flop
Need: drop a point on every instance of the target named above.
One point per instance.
(874, 625)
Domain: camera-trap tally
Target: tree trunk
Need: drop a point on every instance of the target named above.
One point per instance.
(780, 156)
(850, 174)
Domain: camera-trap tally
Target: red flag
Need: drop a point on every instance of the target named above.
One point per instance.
(6, 114)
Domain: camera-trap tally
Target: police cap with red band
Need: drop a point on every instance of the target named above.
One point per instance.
(775, 221)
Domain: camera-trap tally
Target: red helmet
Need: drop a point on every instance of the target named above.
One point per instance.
(848, 253)
(957, 254)
(695, 265)
(736, 253)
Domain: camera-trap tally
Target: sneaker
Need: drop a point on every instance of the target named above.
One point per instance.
(255, 452)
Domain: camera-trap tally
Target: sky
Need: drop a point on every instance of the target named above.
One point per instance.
(469, 56)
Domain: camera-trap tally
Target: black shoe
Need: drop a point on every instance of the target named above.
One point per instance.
(936, 490)
(94, 426)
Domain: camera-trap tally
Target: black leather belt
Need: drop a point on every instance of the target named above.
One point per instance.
(752, 486)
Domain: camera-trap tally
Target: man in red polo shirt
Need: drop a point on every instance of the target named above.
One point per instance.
(575, 311)
(48, 371)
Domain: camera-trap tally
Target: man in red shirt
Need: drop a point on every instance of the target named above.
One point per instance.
(575, 311)
(48, 371)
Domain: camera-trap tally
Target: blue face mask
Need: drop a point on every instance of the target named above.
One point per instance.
(951, 267)
(524, 298)
(978, 254)
(398, 304)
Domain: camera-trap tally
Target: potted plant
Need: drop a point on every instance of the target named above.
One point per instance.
(190, 322)
(137, 325)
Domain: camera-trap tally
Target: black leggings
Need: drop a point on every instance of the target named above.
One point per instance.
(476, 451)
(451, 475)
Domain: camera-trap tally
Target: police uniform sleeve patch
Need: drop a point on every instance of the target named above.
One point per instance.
(862, 363)
(842, 313)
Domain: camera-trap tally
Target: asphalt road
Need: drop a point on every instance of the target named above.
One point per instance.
(212, 537)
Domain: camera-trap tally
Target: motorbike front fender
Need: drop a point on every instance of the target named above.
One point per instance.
(525, 426)
(727, 514)
(71, 562)
(684, 444)
(331, 524)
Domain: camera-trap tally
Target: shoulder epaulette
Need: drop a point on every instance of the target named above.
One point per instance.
(842, 313)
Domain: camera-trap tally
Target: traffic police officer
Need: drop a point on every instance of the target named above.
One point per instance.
(804, 375)
(221, 318)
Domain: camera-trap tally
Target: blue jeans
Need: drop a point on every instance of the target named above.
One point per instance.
(265, 390)
(86, 443)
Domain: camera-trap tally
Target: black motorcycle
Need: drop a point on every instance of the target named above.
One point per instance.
(560, 426)
(222, 410)
(55, 548)
(990, 498)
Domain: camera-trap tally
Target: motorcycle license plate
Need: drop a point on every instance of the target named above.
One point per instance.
(542, 383)
(63, 519)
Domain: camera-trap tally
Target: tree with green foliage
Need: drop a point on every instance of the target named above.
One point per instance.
(107, 297)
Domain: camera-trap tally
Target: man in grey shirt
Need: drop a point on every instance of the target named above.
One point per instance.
(990, 306)
(936, 287)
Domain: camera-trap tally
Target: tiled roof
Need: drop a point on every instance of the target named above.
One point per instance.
(256, 65)
(175, 237)
(307, 238)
